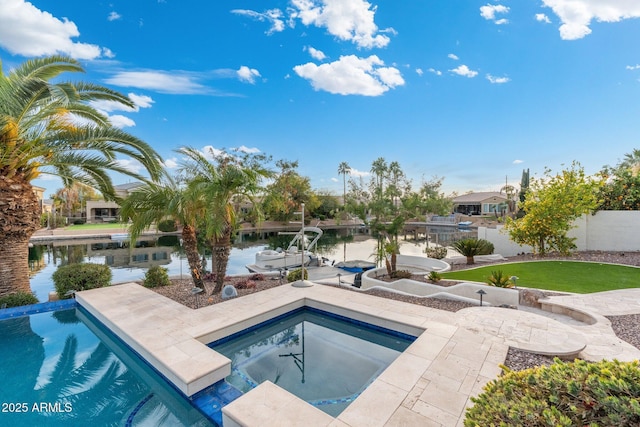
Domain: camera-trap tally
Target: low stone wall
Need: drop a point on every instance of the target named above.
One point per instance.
(466, 291)
(412, 262)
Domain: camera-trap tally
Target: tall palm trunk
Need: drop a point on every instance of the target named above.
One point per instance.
(220, 257)
(19, 219)
(190, 242)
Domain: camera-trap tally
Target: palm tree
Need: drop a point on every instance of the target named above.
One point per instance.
(344, 169)
(219, 183)
(380, 169)
(630, 159)
(154, 202)
(50, 128)
(472, 247)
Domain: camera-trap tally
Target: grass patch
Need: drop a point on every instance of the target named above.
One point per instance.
(562, 276)
(96, 226)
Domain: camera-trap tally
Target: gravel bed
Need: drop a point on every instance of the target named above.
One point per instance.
(518, 360)
(626, 327)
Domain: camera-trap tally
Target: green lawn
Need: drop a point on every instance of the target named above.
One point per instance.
(96, 226)
(562, 276)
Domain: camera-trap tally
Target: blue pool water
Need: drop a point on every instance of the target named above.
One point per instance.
(321, 358)
(62, 368)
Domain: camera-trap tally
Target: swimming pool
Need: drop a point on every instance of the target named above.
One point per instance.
(64, 368)
(324, 359)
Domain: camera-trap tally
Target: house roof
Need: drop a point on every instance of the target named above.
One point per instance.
(478, 197)
(128, 186)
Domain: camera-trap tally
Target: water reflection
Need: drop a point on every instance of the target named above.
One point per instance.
(130, 263)
(55, 359)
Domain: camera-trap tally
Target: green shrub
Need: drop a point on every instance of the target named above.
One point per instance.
(578, 393)
(17, 299)
(438, 252)
(167, 226)
(434, 276)
(156, 276)
(295, 275)
(472, 247)
(499, 280)
(80, 277)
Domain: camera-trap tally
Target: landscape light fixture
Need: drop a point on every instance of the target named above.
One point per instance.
(195, 291)
(481, 293)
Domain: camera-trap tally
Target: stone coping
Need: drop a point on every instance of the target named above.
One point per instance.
(172, 339)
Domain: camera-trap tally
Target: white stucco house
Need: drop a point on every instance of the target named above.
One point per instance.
(483, 203)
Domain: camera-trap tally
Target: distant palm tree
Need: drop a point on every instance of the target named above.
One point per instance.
(630, 159)
(154, 202)
(380, 169)
(219, 183)
(344, 169)
(51, 128)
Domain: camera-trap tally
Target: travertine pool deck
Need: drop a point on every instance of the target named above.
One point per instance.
(430, 384)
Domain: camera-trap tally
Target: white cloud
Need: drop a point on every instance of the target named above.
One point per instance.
(273, 16)
(113, 16)
(171, 163)
(173, 82)
(108, 53)
(351, 75)
(28, 31)
(489, 12)
(453, 56)
(131, 165)
(245, 149)
(633, 67)
(248, 75)
(463, 70)
(541, 17)
(121, 121)
(434, 71)
(356, 173)
(351, 20)
(498, 80)
(517, 162)
(316, 54)
(576, 15)
(333, 179)
(419, 71)
(209, 151)
(141, 101)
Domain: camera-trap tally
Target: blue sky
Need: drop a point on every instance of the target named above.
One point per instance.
(469, 91)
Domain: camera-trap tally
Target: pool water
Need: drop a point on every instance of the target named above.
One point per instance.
(322, 358)
(62, 368)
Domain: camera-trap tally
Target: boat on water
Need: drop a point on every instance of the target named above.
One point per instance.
(269, 259)
(355, 266)
(464, 224)
(119, 237)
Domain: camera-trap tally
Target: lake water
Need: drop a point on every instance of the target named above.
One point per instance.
(129, 264)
